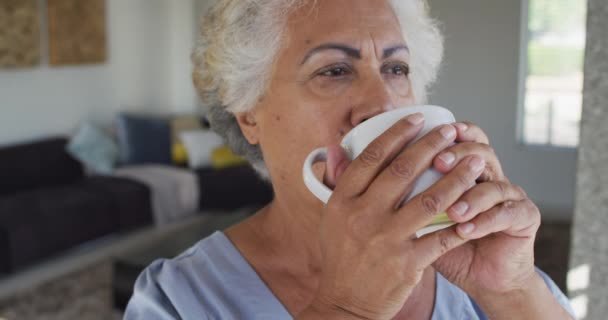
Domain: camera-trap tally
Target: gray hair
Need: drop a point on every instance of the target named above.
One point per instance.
(237, 46)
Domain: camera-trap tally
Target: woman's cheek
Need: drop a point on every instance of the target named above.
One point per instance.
(399, 85)
(329, 88)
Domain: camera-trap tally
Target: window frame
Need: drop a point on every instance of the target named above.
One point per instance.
(521, 89)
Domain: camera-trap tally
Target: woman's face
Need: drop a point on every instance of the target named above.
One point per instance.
(344, 62)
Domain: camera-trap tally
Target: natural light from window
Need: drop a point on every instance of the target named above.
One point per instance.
(554, 78)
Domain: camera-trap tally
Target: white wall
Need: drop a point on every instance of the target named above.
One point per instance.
(149, 42)
(479, 82)
(183, 26)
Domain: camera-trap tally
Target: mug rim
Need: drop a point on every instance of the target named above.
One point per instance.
(346, 142)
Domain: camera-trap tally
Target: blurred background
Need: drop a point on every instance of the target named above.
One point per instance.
(107, 163)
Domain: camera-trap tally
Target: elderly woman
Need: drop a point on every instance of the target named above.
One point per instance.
(287, 76)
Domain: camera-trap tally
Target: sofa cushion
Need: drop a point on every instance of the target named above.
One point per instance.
(37, 165)
(95, 149)
(41, 223)
(144, 140)
(131, 198)
(232, 188)
(38, 224)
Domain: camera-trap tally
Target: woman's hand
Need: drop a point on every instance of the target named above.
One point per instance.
(371, 259)
(501, 223)
(497, 215)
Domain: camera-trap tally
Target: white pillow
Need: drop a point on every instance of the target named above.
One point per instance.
(199, 146)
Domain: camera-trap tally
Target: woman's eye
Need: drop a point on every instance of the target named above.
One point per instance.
(334, 72)
(399, 70)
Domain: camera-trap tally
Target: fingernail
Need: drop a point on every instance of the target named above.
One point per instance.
(448, 132)
(415, 118)
(460, 208)
(461, 126)
(476, 164)
(466, 228)
(448, 158)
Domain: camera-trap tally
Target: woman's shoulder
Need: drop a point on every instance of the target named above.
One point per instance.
(160, 290)
(210, 278)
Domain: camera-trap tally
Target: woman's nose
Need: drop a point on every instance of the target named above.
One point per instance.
(374, 98)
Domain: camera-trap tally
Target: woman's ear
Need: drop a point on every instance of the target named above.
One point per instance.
(249, 126)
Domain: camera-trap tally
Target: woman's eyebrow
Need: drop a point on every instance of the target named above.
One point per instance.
(350, 51)
(392, 50)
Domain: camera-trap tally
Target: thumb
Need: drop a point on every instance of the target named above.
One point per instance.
(337, 161)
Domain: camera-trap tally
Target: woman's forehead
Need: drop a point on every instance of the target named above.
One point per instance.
(345, 21)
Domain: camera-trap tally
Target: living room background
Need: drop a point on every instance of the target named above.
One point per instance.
(147, 70)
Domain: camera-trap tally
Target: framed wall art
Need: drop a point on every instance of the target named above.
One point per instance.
(19, 33)
(77, 32)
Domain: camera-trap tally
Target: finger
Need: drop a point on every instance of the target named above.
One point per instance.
(483, 197)
(469, 132)
(446, 160)
(397, 179)
(363, 169)
(424, 207)
(514, 218)
(432, 246)
(337, 161)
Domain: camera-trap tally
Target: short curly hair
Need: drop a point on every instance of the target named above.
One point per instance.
(238, 43)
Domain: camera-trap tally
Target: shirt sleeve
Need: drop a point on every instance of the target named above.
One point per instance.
(557, 293)
(150, 301)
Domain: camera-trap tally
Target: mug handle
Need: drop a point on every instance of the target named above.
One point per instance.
(313, 184)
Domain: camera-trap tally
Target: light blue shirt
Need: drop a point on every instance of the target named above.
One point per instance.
(212, 280)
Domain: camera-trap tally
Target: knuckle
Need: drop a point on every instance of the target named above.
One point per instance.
(490, 150)
(464, 180)
(520, 191)
(444, 242)
(489, 172)
(492, 218)
(501, 188)
(470, 124)
(430, 204)
(399, 127)
(468, 147)
(482, 136)
(434, 141)
(402, 167)
(509, 208)
(532, 209)
(372, 155)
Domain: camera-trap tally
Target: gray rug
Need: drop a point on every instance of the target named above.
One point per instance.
(85, 295)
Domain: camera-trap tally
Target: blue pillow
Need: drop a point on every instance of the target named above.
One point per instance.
(94, 149)
(144, 140)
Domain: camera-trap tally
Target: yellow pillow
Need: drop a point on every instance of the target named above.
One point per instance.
(179, 155)
(223, 157)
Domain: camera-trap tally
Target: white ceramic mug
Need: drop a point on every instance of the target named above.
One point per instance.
(362, 135)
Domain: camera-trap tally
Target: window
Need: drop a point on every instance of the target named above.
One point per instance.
(553, 82)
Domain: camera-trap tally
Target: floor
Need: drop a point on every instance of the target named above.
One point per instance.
(85, 294)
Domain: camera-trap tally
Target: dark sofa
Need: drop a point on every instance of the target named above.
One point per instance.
(231, 188)
(48, 204)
